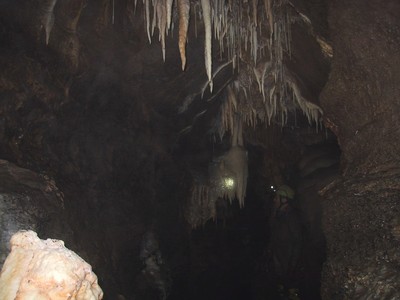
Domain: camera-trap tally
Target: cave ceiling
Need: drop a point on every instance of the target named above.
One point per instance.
(179, 66)
(92, 90)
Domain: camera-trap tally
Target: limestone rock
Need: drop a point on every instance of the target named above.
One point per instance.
(46, 269)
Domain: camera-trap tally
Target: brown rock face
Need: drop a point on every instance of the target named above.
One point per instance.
(361, 96)
(361, 101)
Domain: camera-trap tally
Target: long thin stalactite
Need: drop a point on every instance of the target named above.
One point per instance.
(205, 5)
(184, 13)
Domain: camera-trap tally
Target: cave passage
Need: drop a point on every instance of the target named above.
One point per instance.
(206, 149)
(251, 254)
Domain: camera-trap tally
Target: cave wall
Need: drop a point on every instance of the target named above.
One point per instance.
(29, 201)
(90, 110)
(361, 104)
(361, 97)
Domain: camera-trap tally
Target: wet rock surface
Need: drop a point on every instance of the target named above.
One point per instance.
(28, 201)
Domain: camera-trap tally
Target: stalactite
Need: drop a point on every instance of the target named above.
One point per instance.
(161, 23)
(252, 37)
(233, 166)
(195, 12)
(254, 44)
(48, 18)
(113, 12)
(217, 70)
(269, 15)
(228, 111)
(154, 4)
(201, 205)
(147, 17)
(254, 7)
(312, 111)
(260, 73)
(134, 10)
(205, 5)
(184, 11)
(169, 12)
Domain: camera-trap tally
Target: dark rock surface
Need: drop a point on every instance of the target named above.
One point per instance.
(362, 108)
(361, 225)
(28, 201)
(360, 96)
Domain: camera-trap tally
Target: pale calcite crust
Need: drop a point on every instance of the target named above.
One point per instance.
(46, 270)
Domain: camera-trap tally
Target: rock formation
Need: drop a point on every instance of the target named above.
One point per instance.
(45, 269)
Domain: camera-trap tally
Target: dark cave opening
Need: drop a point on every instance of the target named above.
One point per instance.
(232, 256)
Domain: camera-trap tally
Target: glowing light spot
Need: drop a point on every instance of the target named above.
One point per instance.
(229, 183)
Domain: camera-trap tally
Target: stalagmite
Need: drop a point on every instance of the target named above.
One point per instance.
(205, 5)
(184, 11)
(45, 269)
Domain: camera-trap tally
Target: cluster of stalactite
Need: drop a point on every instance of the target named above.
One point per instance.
(226, 179)
(254, 35)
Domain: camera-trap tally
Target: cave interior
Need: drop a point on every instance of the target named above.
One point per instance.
(153, 137)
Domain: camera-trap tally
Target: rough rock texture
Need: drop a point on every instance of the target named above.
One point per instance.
(361, 224)
(361, 101)
(38, 269)
(27, 201)
(362, 93)
(101, 129)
